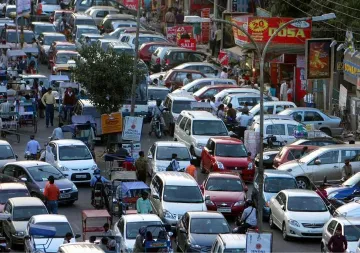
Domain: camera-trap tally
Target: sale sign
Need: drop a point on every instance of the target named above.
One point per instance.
(131, 4)
(187, 43)
(183, 31)
(223, 58)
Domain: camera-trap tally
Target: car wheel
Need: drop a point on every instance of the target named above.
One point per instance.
(326, 131)
(284, 232)
(271, 222)
(302, 182)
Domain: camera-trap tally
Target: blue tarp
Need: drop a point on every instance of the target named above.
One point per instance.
(40, 230)
(128, 186)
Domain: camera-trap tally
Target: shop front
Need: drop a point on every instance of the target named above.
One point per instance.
(351, 67)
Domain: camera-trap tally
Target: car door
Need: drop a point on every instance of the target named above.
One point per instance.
(155, 195)
(313, 117)
(183, 231)
(277, 130)
(329, 232)
(151, 159)
(328, 166)
(353, 155)
(207, 156)
(184, 137)
(275, 212)
(7, 223)
(290, 138)
(23, 175)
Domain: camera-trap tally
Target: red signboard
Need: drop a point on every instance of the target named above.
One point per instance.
(223, 58)
(239, 37)
(261, 29)
(187, 43)
(184, 30)
(131, 4)
(300, 84)
(205, 27)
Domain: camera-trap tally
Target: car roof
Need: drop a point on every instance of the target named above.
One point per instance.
(42, 23)
(224, 175)
(232, 241)
(81, 16)
(108, 40)
(244, 94)
(25, 31)
(176, 178)
(26, 201)
(215, 79)
(218, 86)
(303, 109)
(91, 35)
(340, 146)
(141, 217)
(207, 214)
(200, 115)
(298, 147)
(157, 43)
(197, 64)
(151, 87)
(53, 34)
(80, 247)
(347, 221)
(226, 140)
(68, 142)
(28, 164)
(300, 193)
(277, 173)
(49, 218)
(280, 121)
(191, 71)
(3, 142)
(181, 97)
(99, 7)
(86, 26)
(184, 49)
(66, 52)
(169, 144)
(13, 186)
(124, 16)
(66, 11)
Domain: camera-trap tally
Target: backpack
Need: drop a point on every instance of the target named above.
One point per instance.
(170, 167)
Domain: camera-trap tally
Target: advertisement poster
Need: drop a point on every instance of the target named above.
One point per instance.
(23, 7)
(111, 123)
(131, 4)
(258, 242)
(132, 128)
(261, 29)
(184, 30)
(223, 58)
(239, 37)
(187, 43)
(318, 58)
(171, 33)
(134, 150)
(205, 27)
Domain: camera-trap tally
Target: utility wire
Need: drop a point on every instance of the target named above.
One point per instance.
(345, 6)
(343, 13)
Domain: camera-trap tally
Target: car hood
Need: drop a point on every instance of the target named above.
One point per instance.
(291, 166)
(181, 208)
(225, 196)
(53, 244)
(20, 226)
(310, 217)
(202, 139)
(349, 209)
(233, 161)
(202, 239)
(161, 165)
(61, 183)
(78, 164)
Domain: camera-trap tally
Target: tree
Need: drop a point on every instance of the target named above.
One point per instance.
(107, 77)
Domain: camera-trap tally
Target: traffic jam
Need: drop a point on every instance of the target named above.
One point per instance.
(209, 157)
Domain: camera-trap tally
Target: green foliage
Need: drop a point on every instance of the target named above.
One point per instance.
(107, 77)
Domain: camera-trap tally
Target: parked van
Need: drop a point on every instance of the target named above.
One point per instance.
(229, 243)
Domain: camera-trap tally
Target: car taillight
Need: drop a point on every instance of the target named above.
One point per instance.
(158, 61)
(39, 10)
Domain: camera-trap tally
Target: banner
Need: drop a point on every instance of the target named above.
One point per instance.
(171, 33)
(184, 31)
(223, 58)
(318, 58)
(258, 242)
(132, 128)
(131, 4)
(239, 37)
(205, 26)
(187, 43)
(111, 123)
(23, 7)
(261, 29)
(300, 84)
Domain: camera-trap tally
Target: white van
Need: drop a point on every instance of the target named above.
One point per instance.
(173, 194)
(229, 243)
(176, 103)
(6, 153)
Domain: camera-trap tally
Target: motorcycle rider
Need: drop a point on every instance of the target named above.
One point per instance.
(97, 179)
(248, 217)
(157, 112)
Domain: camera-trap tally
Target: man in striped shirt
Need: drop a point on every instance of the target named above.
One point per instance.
(5, 107)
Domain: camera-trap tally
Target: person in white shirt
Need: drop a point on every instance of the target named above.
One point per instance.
(143, 19)
(309, 100)
(248, 217)
(213, 105)
(68, 238)
(188, 79)
(283, 90)
(224, 73)
(244, 122)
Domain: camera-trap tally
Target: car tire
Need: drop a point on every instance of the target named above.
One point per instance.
(284, 232)
(326, 131)
(303, 182)
(271, 222)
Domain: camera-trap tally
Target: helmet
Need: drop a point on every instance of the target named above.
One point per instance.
(142, 230)
(97, 172)
(249, 202)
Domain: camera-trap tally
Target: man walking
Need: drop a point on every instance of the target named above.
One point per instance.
(191, 169)
(283, 90)
(141, 167)
(52, 194)
(32, 148)
(48, 101)
(69, 102)
(58, 134)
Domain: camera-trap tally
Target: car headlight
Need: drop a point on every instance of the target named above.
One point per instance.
(74, 188)
(239, 203)
(220, 165)
(19, 233)
(63, 168)
(169, 215)
(266, 157)
(200, 145)
(94, 167)
(294, 223)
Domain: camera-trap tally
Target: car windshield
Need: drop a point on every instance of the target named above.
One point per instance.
(179, 106)
(7, 194)
(209, 226)
(276, 184)
(50, 39)
(64, 58)
(155, 94)
(183, 194)
(43, 172)
(12, 38)
(164, 153)
(128, 51)
(62, 228)
(44, 28)
(24, 213)
(352, 180)
(66, 47)
(306, 204)
(6, 152)
(74, 152)
(352, 233)
(87, 30)
(224, 185)
(311, 156)
(132, 228)
(209, 127)
(230, 150)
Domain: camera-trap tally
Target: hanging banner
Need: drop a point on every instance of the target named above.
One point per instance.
(111, 123)
(187, 43)
(258, 242)
(318, 58)
(131, 4)
(23, 7)
(300, 84)
(240, 37)
(223, 58)
(205, 26)
(132, 128)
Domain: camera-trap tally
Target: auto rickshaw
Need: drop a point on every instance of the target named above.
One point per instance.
(94, 214)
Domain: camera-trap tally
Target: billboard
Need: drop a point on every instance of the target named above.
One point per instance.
(318, 58)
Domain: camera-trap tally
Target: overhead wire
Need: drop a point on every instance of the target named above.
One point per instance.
(343, 13)
(345, 6)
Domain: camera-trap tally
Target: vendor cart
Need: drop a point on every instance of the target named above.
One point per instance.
(94, 214)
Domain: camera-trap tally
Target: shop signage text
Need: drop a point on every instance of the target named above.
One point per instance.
(351, 69)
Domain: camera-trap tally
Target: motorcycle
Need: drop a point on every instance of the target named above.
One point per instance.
(98, 201)
(157, 128)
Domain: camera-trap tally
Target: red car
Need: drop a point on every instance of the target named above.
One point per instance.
(227, 154)
(225, 193)
(210, 91)
(146, 49)
(290, 153)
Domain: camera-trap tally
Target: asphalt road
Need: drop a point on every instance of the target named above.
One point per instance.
(73, 213)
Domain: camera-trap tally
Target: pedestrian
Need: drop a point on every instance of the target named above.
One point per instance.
(161, 80)
(69, 102)
(191, 169)
(283, 90)
(143, 205)
(244, 121)
(304, 152)
(49, 101)
(107, 230)
(188, 79)
(139, 241)
(217, 44)
(347, 170)
(23, 65)
(143, 19)
(57, 133)
(179, 17)
(10, 92)
(68, 238)
(272, 91)
(174, 164)
(5, 107)
(309, 99)
(170, 18)
(32, 148)
(197, 32)
(337, 242)
(52, 194)
(213, 105)
(141, 167)
(245, 108)
(221, 112)
(48, 156)
(231, 112)
(224, 73)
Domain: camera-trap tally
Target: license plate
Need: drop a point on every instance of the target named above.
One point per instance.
(80, 176)
(224, 210)
(65, 196)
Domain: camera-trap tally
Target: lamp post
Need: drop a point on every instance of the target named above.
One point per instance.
(261, 55)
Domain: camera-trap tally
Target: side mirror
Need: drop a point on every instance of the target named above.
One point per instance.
(155, 196)
(150, 157)
(187, 132)
(182, 230)
(317, 162)
(282, 207)
(24, 179)
(77, 236)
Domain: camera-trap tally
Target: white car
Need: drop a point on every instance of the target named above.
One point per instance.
(271, 108)
(160, 152)
(235, 90)
(34, 244)
(206, 68)
(238, 100)
(130, 38)
(202, 82)
(74, 159)
(351, 209)
(350, 229)
(128, 228)
(7, 154)
(298, 213)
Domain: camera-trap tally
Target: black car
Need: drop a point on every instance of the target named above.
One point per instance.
(268, 158)
(197, 231)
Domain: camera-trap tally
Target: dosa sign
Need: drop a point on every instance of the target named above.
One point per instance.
(187, 43)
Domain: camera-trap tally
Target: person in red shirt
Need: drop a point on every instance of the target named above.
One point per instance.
(69, 101)
(191, 169)
(337, 242)
(52, 194)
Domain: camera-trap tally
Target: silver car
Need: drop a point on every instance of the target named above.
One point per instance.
(330, 125)
(98, 13)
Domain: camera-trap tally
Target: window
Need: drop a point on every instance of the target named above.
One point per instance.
(179, 119)
(180, 76)
(328, 158)
(188, 126)
(206, 70)
(250, 100)
(8, 208)
(352, 155)
(294, 154)
(279, 200)
(102, 14)
(183, 122)
(125, 39)
(85, 3)
(6, 152)
(313, 116)
(291, 129)
(156, 184)
(267, 109)
(186, 221)
(209, 93)
(195, 57)
(331, 227)
(178, 56)
(9, 171)
(196, 76)
(20, 173)
(276, 129)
